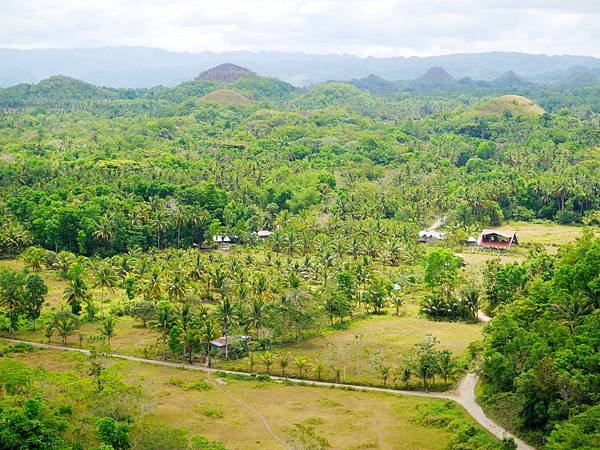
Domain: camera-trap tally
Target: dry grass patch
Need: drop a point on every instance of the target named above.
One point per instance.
(386, 336)
(346, 419)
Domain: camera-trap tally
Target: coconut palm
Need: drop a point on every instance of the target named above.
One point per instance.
(227, 315)
(159, 224)
(65, 324)
(176, 286)
(164, 319)
(251, 361)
(257, 315)
(384, 373)
(267, 359)
(300, 362)
(153, 285)
(181, 218)
(318, 367)
(108, 330)
(76, 293)
(209, 331)
(104, 278)
(104, 231)
(284, 362)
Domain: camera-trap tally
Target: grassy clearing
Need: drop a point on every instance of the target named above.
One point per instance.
(550, 235)
(386, 337)
(347, 420)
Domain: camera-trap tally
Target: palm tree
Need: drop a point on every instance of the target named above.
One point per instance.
(159, 225)
(226, 312)
(104, 278)
(570, 310)
(181, 218)
(267, 359)
(318, 367)
(63, 262)
(384, 372)
(260, 285)
(470, 297)
(176, 287)
(108, 330)
(104, 232)
(355, 246)
(397, 299)
(256, 315)
(76, 293)
(189, 339)
(290, 243)
(162, 322)
(65, 324)
(251, 361)
(300, 363)
(209, 331)
(153, 286)
(284, 361)
(218, 278)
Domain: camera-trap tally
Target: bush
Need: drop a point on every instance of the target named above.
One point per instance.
(151, 434)
(447, 415)
(31, 427)
(201, 443)
(580, 432)
(566, 217)
(19, 347)
(15, 376)
(213, 412)
(113, 433)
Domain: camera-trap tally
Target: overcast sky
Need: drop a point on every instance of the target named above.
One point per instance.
(375, 27)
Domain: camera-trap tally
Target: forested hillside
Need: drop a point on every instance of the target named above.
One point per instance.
(158, 220)
(125, 164)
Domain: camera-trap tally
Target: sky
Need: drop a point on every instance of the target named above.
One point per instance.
(365, 28)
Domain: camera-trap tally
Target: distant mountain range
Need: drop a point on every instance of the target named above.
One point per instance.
(137, 67)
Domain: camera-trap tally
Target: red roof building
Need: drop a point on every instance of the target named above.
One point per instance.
(500, 239)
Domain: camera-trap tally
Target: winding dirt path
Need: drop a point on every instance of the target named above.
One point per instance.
(464, 395)
(254, 412)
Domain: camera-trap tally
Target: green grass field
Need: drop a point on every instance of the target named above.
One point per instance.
(233, 411)
(386, 337)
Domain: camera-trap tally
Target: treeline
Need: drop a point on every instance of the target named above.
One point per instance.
(540, 363)
(94, 185)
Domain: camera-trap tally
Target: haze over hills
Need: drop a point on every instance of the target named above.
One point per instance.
(147, 67)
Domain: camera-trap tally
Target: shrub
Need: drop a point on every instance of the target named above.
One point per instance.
(201, 443)
(447, 415)
(151, 434)
(213, 412)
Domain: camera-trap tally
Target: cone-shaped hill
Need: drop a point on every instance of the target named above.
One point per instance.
(226, 73)
(513, 104)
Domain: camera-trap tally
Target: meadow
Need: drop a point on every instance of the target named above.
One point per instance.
(241, 414)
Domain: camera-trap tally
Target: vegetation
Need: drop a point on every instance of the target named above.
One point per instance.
(284, 221)
(540, 355)
(139, 407)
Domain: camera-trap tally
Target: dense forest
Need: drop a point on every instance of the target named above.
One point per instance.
(132, 189)
(106, 171)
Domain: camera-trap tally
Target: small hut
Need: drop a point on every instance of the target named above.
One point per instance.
(430, 236)
(219, 344)
(263, 234)
(497, 239)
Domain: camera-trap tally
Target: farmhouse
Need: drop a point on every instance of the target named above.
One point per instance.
(430, 236)
(498, 239)
(263, 234)
(231, 341)
(231, 239)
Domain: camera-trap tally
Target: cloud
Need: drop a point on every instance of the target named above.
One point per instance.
(376, 27)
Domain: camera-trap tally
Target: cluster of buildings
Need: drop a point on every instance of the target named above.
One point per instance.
(488, 238)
